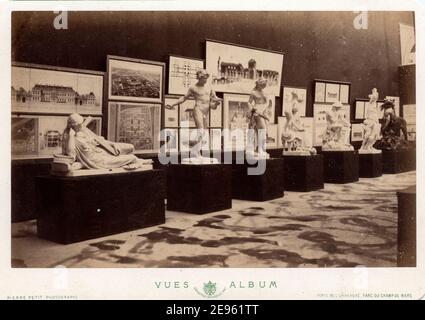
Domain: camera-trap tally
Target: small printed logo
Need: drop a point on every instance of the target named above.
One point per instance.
(209, 290)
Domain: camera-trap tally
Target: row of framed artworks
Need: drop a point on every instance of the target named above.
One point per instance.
(362, 106)
(41, 136)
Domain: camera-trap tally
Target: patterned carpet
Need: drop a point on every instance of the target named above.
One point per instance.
(339, 226)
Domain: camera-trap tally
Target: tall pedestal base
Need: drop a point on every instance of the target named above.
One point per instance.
(341, 166)
(303, 173)
(370, 165)
(398, 161)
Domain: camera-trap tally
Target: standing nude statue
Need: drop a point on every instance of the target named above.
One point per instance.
(258, 117)
(205, 98)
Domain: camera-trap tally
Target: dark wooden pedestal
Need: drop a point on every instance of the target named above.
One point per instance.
(199, 188)
(72, 209)
(341, 166)
(267, 186)
(303, 173)
(370, 165)
(406, 235)
(398, 161)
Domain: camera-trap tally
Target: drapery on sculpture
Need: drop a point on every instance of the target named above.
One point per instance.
(371, 126)
(338, 129)
(293, 136)
(83, 149)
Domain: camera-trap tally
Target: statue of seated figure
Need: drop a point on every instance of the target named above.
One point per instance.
(337, 131)
(293, 136)
(83, 149)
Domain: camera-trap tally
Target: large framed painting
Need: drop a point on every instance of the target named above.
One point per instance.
(135, 80)
(294, 97)
(135, 123)
(235, 115)
(24, 136)
(234, 68)
(320, 123)
(182, 73)
(55, 90)
(328, 91)
(171, 116)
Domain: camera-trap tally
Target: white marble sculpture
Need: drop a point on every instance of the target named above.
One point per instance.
(371, 126)
(86, 153)
(338, 130)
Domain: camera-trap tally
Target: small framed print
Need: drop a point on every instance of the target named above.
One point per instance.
(411, 132)
(332, 93)
(409, 113)
(171, 116)
(215, 138)
(344, 93)
(319, 92)
(357, 132)
(182, 73)
(135, 80)
(25, 136)
(271, 141)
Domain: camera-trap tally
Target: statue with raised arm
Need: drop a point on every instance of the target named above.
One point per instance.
(259, 117)
(371, 126)
(338, 129)
(393, 129)
(83, 149)
(205, 99)
(293, 135)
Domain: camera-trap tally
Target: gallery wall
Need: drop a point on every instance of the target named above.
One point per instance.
(323, 45)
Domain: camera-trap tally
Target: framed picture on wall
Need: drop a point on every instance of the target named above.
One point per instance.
(357, 132)
(294, 96)
(50, 135)
(359, 109)
(272, 138)
(171, 116)
(328, 91)
(215, 139)
(48, 89)
(411, 132)
(95, 125)
(186, 114)
(24, 134)
(409, 113)
(135, 80)
(234, 68)
(135, 123)
(182, 73)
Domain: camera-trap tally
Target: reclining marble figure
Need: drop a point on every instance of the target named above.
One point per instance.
(83, 149)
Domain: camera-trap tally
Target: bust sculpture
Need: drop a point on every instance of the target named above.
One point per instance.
(338, 129)
(371, 125)
(83, 149)
(293, 136)
(393, 129)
